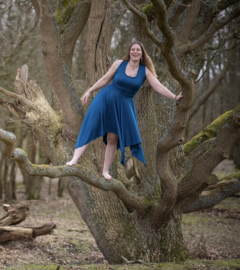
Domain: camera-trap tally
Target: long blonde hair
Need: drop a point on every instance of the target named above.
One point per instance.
(145, 59)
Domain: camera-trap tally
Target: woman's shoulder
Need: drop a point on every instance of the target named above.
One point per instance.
(116, 64)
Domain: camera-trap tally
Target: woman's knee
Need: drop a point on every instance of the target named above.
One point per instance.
(112, 138)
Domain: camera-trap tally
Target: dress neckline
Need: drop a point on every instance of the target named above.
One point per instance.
(128, 75)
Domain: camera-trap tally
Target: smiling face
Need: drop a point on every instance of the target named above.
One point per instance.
(135, 52)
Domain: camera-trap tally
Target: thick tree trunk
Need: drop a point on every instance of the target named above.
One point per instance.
(120, 233)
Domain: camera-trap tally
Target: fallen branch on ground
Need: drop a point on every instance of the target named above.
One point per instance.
(12, 233)
(132, 262)
(15, 215)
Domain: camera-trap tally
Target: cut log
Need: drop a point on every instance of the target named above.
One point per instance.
(15, 214)
(11, 233)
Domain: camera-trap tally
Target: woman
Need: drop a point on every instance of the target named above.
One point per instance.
(112, 112)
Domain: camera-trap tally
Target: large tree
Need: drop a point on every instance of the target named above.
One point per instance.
(138, 213)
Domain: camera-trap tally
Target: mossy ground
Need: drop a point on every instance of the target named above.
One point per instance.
(212, 240)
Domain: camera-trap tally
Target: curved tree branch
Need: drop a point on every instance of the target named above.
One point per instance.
(81, 172)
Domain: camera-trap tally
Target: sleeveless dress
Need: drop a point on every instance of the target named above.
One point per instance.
(113, 110)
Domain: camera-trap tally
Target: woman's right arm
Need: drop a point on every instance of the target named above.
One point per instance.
(103, 81)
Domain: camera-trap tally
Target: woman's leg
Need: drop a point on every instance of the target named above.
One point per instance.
(77, 154)
(110, 152)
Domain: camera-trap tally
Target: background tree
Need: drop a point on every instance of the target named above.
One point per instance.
(138, 217)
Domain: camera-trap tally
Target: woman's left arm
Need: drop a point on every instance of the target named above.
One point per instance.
(159, 88)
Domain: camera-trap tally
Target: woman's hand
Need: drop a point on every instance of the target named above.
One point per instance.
(85, 97)
(178, 97)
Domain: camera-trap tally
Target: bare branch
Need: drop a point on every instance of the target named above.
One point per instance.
(216, 25)
(78, 171)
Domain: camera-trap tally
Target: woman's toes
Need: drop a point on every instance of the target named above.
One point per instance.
(70, 163)
(107, 176)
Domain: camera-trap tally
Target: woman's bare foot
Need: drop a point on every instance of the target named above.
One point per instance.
(70, 163)
(106, 175)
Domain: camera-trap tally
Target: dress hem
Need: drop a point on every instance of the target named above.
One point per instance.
(122, 160)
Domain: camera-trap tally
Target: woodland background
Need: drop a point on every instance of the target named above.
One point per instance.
(21, 44)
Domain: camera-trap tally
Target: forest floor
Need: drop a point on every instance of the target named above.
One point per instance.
(212, 238)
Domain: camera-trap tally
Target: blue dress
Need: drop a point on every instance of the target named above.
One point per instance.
(113, 110)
